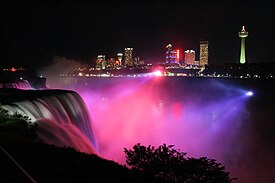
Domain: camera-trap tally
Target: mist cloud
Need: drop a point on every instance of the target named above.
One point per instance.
(60, 65)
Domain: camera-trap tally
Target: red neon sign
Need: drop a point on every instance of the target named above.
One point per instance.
(178, 54)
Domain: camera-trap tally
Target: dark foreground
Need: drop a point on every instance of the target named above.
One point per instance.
(47, 163)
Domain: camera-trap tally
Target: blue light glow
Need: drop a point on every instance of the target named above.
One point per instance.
(249, 93)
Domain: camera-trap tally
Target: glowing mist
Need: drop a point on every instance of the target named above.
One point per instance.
(152, 111)
(203, 117)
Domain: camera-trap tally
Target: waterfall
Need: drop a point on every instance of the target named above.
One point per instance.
(61, 115)
(22, 84)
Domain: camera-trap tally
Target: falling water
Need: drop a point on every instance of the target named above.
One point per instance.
(61, 116)
(22, 84)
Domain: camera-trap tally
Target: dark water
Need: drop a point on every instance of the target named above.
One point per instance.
(201, 116)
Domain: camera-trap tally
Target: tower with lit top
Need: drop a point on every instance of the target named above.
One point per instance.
(243, 34)
(119, 57)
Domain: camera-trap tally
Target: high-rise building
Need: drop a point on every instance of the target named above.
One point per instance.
(101, 62)
(110, 63)
(243, 34)
(203, 53)
(138, 62)
(197, 62)
(172, 56)
(119, 58)
(128, 56)
(189, 57)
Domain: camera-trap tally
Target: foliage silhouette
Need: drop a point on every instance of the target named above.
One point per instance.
(16, 126)
(170, 165)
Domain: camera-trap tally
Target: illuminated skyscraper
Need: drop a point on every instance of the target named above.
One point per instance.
(243, 34)
(172, 56)
(110, 63)
(119, 58)
(168, 53)
(136, 61)
(203, 53)
(128, 56)
(189, 57)
(100, 62)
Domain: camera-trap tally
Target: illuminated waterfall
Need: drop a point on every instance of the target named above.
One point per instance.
(22, 84)
(61, 116)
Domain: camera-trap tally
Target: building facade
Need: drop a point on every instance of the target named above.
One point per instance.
(101, 62)
(119, 58)
(128, 57)
(172, 56)
(189, 57)
(204, 53)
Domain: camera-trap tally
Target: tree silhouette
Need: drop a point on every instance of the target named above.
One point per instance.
(16, 126)
(170, 165)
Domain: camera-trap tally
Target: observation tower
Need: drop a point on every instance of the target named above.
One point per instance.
(243, 34)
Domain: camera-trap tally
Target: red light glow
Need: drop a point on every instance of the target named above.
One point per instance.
(13, 69)
(178, 54)
(157, 73)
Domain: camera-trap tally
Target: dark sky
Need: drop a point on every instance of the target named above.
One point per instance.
(32, 32)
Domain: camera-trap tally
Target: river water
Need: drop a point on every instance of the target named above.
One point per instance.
(205, 117)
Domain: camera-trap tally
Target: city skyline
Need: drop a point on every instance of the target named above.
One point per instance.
(172, 56)
(34, 32)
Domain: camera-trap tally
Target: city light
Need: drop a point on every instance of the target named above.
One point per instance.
(13, 69)
(249, 93)
(157, 73)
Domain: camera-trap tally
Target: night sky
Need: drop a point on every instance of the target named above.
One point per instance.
(33, 32)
